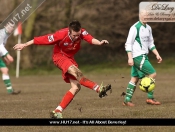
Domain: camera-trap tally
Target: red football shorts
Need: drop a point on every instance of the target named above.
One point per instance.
(63, 62)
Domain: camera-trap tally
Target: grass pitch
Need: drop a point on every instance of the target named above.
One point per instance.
(42, 94)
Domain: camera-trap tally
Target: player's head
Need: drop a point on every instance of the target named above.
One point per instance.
(9, 27)
(142, 14)
(74, 29)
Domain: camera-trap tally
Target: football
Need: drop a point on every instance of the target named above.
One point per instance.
(147, 84)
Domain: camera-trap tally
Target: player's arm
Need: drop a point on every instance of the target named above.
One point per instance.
(152, 46)
(49, 39)
(129, 43)
(130, 59)
(97, 42)
(159, 58)
(88, 38)
(23, 45)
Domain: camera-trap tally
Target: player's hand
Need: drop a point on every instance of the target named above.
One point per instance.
(19, 46)
(130, 62)
(159, 59)
(104, 42)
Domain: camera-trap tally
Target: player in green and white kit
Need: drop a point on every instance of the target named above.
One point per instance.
(4, 34)
(138, 44)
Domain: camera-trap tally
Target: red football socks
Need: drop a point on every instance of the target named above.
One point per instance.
(65, 101)
(89, 84)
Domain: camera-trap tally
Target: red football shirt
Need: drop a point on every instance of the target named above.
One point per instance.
(62, 41)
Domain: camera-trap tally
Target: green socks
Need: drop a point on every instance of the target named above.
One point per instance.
(8, 86)
(7, 83)
(150, 95)
(130, 91)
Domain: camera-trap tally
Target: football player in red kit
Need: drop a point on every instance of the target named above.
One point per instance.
(67, 42)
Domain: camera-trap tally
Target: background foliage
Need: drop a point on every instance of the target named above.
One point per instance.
(103, 19)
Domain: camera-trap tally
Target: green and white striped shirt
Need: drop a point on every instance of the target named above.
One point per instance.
(139, 39)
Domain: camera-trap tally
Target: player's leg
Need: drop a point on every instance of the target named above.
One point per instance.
(74, 71)
(8, 58)
(136, 74)
(68, 97)
(131, 87)
(70, 69)
(148, 69)
(6, 78)
(150, 95)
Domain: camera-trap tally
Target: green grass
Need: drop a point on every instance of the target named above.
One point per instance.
(103, 67)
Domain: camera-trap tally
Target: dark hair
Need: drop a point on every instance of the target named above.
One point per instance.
(75, 26)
